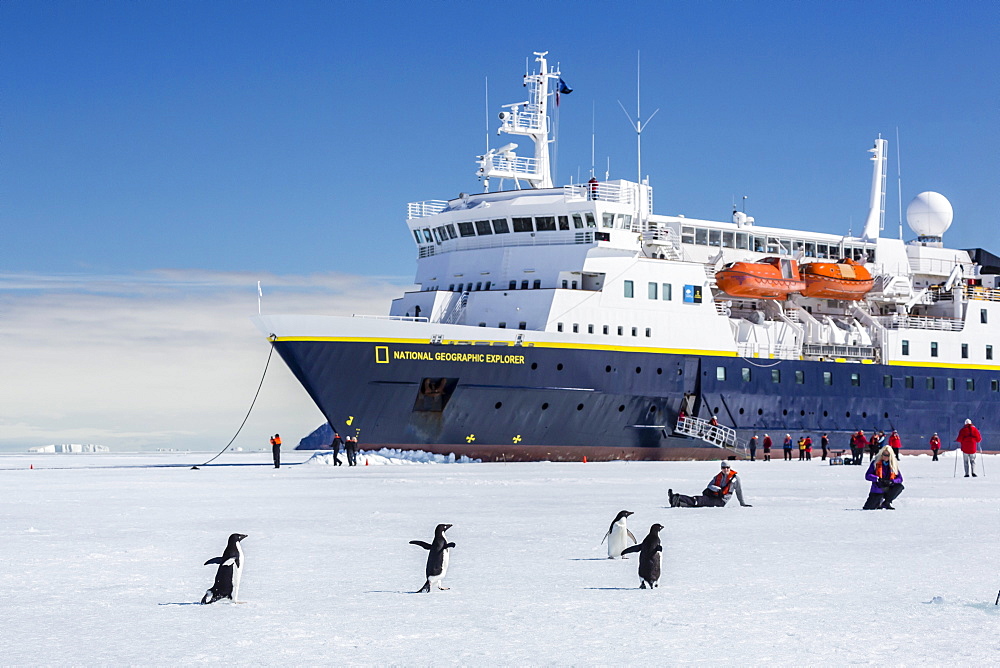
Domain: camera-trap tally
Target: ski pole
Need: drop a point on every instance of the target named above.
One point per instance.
(998, 599)
(955, 472)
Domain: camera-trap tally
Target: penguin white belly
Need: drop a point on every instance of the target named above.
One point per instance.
(618, 540)
(444, 568)
(238, 574)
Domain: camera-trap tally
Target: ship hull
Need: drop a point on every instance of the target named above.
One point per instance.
(511, 402)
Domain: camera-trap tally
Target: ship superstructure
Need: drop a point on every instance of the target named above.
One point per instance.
(547, 320)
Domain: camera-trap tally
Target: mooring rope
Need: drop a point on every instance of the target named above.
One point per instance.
(263, 375)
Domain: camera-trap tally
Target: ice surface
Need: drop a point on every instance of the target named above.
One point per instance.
(102, 564)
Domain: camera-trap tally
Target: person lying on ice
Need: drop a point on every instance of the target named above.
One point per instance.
(887, 481)
(720, 489)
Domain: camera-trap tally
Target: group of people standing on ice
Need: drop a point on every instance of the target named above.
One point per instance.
(350, 445)
(804, 446)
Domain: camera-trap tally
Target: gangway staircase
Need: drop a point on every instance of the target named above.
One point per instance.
(718, 435)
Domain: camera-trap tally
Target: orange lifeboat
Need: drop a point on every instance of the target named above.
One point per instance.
(771, 278)
(845, 279)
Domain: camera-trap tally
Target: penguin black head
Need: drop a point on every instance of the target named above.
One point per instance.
(441, 528)
(237, 537)
(623, 513)
(656, 528)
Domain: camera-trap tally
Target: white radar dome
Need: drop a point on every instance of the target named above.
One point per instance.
(929, 214)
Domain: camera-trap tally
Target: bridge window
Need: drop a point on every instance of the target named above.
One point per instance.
(537, 283)
(930, 383)
(522, 325)
(437, 235)
(742, 242)
(487, 285)
(500, 226)
(479, 286)
(502, 325)
(545, 224)
(608, 220)
(628, 289)
(625, 221)
(989, 351)
(970, 384)
(775, 375)
(800, 377)
(483, 227)
(512, 285)
(758, 243)
(565, 284)
(524, 284)
(965, 351)
(563, 222)
(715, 238)
(590, 220)
(461, 286)
(466, 230)
(728, 240)
(934, 349)
(700, 236)
(720, 373)
(906, 347)
(828, 378)
(810, 249)
(886, 381)
(450, 228)
(416, 235)
(522, 224)
(651, 291)
(687, 235)
(745, 374)
(577, 221)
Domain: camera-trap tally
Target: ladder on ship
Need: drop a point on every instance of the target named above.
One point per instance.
(716, 434)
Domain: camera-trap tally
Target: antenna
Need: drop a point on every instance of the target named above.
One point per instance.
(899, 185)
(593, 134)
(487, 79)
(637, 125)
(607, 174)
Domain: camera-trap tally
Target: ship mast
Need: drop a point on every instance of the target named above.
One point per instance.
(529, 118)
(876, 207)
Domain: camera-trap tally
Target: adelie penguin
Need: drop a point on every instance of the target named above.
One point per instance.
(649, 557)
(227, 578)
(618, 535)
(437, 559)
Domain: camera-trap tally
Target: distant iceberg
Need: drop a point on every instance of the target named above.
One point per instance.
(70, 447)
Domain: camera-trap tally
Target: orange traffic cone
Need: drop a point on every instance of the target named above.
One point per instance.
(32, 466)
(366, 461)
(585, 459)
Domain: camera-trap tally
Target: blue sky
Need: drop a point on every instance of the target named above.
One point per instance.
(158, 158)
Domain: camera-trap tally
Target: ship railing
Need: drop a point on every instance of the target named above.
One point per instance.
(404, 318)
(981, 293)
(518, 167)
(601, 191)
(716, 434)
(750, 350)
(505, 240)
(937, 323)
(836, 351)
(426, 208)
(516, 122)
(940, 267)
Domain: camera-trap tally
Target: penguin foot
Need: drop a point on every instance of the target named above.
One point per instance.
(443, 588)
(642, 585)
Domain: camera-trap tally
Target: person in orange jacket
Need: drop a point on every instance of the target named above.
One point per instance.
(935, 445)
(809, 448)
(276, 451)
(969, 438)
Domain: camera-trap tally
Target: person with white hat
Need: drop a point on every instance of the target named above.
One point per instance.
(720, 489)
(969, 437)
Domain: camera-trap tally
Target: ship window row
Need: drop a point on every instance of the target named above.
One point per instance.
(905, 349)
(606, 329)
(481, 228)
(662, 291)
(909, 382)
(759, 243)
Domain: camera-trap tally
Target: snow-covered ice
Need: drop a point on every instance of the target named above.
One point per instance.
(102, 564)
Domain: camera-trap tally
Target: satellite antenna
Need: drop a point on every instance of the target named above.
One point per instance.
(637, 125)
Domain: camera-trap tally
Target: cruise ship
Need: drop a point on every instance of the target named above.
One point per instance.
(562, 322)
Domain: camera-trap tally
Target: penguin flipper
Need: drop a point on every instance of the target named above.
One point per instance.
(631, 536)
(450, 545)
(608, 534)
(420, 543)
(630, 550)
(214, 560)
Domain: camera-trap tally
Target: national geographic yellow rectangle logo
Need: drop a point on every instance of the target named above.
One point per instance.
(381, 354)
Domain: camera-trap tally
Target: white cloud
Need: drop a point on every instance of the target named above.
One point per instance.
(159, 359)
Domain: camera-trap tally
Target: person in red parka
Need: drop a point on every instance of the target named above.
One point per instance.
(969, 438)
(767, 448)
(894, 442)
(858, 445)
(935, 445)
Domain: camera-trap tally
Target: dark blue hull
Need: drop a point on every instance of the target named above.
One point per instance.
(537, 402)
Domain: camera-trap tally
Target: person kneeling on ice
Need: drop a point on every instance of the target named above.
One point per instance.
(720, 489)
(887, 481)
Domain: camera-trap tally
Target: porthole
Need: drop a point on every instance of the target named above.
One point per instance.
(784, 412)
(716, 411)
(579, 407)
(741, 411)
(680, 372)
(638, 369)
(885, 415)
(652, 409)
(847, 414)
(864, 414)
(659, 372)
(760, 411)
(621, 408)
(534, 365)
(825, 414)
(545, 406)
(802, 413)
(498, 404)
(559, 367)
(607, 369)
